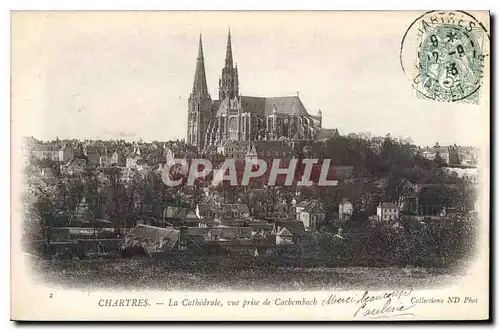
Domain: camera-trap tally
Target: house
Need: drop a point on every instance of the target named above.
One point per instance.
(104, 161)
(345, 210)
(299, 207)
(54, 152)
(214, 237)
(66, 153)
(263, 228)
(46, 173)
(233, 149)
(310, 213)
(153, 239)
(75, 166)
(269, 149)
(236, 210)
(263, 233)
(296, 229)
(408, 203)
(387, 211)
(327, 134)
(181, 216)
(453, 155)
(93, 156)
(228, 233)
(284, 236)
(117, 158)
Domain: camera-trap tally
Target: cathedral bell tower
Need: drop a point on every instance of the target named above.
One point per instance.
(228, 83)
(199, 109)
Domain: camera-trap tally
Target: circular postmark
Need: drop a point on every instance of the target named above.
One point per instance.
(443, 54)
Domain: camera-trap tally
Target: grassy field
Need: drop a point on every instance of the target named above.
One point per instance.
(144, 274)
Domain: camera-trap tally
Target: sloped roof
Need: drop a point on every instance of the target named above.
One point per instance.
(191, 215)
(263, 106)
(303, 203)
(266, 227)
(263, 148)
(255, 105)
(284, 232)
(314, 206)
(285, 105)
(327, 133)
(389, 205)
(154, 235)
(236, 232)
(295, 227)
(180, 212)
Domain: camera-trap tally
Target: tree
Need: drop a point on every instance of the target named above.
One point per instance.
(114, 201)
(438, 159)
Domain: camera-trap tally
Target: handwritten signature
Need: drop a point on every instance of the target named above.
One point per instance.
(387, 310)
(369, 305)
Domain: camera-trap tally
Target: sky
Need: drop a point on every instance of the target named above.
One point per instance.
(128, 75)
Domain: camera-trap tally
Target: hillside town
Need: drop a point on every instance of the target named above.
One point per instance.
(391, 201)
(98, 198)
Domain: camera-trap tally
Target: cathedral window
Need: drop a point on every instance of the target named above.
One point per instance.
(233, 128)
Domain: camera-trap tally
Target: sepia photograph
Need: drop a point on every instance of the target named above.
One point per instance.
(246, 165)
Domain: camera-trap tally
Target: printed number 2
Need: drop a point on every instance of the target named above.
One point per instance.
(50, 295)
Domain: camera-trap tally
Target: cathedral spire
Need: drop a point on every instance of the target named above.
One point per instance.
(200, 78)
(228, 83)
(199, 105)
(200, 49)
(229, 51)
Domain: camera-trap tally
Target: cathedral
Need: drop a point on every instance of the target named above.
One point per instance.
(239, 118)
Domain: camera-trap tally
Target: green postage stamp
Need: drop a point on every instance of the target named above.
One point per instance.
(449, 53)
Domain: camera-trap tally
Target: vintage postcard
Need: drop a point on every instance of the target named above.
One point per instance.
(250, 165)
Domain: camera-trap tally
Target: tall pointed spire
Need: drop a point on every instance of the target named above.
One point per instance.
(229, 51)
(200, 78)
(200, 50)
(228, 83)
